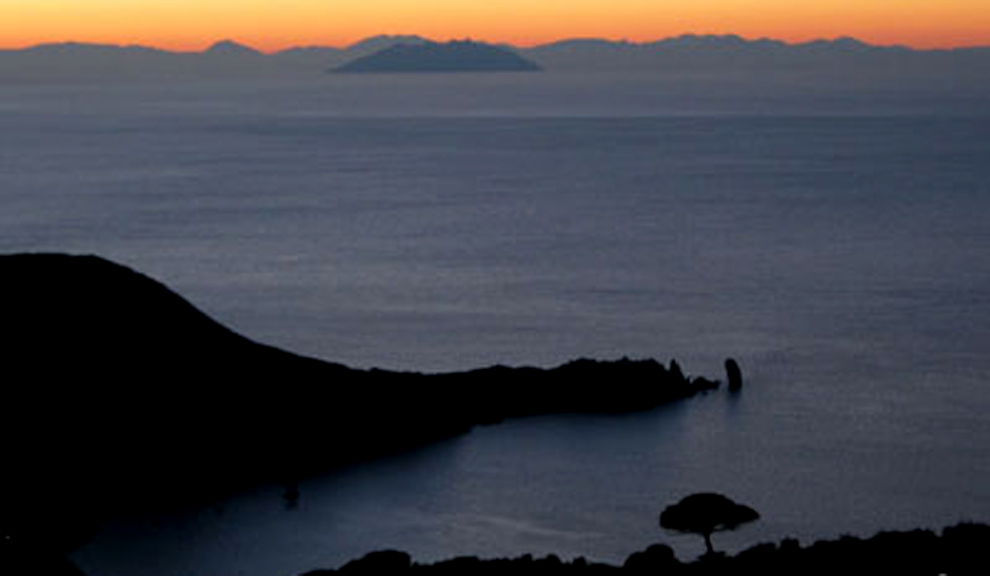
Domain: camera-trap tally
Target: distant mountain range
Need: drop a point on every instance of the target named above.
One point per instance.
(689, 54)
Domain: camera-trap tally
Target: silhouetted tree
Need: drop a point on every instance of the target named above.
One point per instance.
(705, 513)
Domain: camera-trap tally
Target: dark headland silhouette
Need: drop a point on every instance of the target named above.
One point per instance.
(455, 56)
(119, 395)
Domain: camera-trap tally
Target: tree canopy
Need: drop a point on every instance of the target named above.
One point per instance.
(705, 513)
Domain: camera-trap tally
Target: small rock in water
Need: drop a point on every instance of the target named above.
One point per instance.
(734, 375)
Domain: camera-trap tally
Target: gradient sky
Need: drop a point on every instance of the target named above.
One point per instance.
(274, 24)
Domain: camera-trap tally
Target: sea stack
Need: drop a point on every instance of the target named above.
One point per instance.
(734, 375)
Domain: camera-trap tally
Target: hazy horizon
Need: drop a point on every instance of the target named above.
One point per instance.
(694, 70)
(188, 23)
(206, 45)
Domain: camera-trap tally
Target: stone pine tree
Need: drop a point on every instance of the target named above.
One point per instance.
(705, 513)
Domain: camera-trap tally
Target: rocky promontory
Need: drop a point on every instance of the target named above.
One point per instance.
(121, 395)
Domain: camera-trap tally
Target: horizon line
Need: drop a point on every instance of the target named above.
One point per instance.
(524, 46)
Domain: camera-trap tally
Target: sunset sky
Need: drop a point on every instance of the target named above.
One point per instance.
(275, 24)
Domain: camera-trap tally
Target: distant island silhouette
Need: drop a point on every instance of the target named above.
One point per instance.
(121, 396)
(454, 56)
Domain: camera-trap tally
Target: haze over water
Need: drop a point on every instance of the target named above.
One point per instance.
(835, 245)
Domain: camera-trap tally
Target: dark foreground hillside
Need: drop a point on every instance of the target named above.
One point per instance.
(958, 550)
(119, 395)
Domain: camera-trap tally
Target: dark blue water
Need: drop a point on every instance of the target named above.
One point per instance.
(843, 259)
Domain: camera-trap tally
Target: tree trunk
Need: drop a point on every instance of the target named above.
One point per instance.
(708, 542)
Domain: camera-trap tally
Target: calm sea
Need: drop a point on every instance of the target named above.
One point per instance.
(840, 253)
